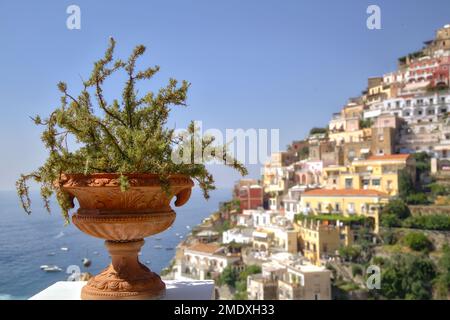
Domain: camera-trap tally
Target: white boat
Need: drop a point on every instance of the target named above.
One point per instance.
(64, 249)
(188, 227)
(95, 252)
(51, 254)
(177, 234)
(157, 246)
(181, 237)
(47, 268)
(86, 262)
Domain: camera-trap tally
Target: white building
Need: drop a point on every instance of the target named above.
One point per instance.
(202, 261)
(237, 235)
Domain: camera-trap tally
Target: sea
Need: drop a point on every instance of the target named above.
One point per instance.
(30, 241)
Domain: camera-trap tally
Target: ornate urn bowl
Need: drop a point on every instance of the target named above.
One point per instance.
(124, 219)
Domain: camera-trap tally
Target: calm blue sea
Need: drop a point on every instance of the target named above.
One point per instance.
(27, 242)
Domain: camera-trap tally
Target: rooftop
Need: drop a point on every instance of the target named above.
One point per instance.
(209, 248)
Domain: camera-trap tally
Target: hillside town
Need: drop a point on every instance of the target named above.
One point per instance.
(369, 189)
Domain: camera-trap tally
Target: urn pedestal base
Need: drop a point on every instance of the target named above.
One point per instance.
(125, 278)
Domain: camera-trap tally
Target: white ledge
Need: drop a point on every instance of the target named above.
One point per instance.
(175, 290)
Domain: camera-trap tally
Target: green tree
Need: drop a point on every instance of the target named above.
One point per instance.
(418, 241)
(394, 212)
(423, 163)
(407, 276)
(417, 199)
(317, 130)
(405, 185)
(350, 253)
(303, 153)
(228, 276)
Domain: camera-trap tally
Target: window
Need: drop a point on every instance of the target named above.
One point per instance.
(376, 182)
(319, 206)
(337, 207)
(351, 207)
(431, 100)
(408, 103)
(348, 183)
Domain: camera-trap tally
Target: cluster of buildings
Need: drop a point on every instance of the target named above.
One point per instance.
(319, 194)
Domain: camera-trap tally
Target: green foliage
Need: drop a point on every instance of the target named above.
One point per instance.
(303, 153)
(423, 164)
(407, 277)
(417, 199)
(350, 253)
(389, 237)
(443, 281)
(398, 208)
(226, 225)
(395, 211)
(357, 270)
(365, 123)
(417, 241)
(405, 185)
(126, 135)
(429, 222)
(318, 131)
(438, 190)
(229, 276)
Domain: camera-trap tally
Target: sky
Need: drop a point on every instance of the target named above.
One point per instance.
(284, 65)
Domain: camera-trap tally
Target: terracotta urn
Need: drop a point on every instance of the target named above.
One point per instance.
(124, 219)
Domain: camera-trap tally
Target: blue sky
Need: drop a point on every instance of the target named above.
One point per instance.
(252, 64)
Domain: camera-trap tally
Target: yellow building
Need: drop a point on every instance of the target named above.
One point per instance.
(351, 136)
(380, 173)
(318, 240)
(345, 202)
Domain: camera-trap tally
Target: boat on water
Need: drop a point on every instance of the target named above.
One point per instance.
(50, 254)
(147, 262)
(188, 227)
(158, 239)
(64, 249)
(95, 253)
(86, 262)
(50, 268)
(169, 248)
(157, 246)
(181, 237)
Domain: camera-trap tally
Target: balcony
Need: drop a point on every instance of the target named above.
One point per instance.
(175, 290)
